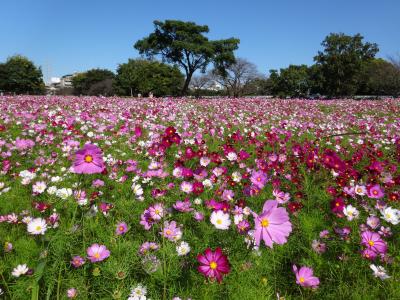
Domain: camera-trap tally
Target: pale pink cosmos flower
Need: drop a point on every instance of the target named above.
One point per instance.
(272, 225)
(97, 253)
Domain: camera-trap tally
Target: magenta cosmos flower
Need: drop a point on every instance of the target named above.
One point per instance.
(373, 241)
(272, 225)
(97, 253)
(88, 160)
(375, 191)
(305, 278)
(213, 264)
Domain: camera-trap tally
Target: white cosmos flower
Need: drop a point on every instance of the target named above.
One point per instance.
(220, 220)
(207, 183)
(63, 193)
(20, 270)
(137, 190)
(360, 190)
(391, 215)
(232, 156)
(39, 187)
(236, 176)
(138, 293)
(198, 201)
(379, 271)
(204, 161)
(37, 226)
(183, 248)
(351, 212)
(52, 190)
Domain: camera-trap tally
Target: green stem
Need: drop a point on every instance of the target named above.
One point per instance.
(5, 283)
(164, 265)
(59, 284)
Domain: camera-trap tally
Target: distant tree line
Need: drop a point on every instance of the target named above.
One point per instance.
(345, 66)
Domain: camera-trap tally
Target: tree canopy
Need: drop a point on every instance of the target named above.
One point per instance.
(341, 61)
(93, 82)
(20, 75)
(185, 44)
(139, 76)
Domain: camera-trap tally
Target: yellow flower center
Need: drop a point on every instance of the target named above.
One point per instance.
(121, 228)
(38, 228)
(371, 243)
(219, 221)
(213, 265)
(302, 279)
(168, 232)
(337, 203)
(97, 255)
(375, 192)
(264, 223)
(88, 158)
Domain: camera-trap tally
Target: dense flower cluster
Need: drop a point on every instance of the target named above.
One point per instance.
(136, 190)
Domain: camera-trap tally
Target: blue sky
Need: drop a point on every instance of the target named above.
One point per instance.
(66, 36)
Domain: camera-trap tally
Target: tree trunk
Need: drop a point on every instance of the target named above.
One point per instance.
(186, 85)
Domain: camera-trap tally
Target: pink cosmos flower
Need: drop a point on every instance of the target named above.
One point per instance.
(280, 196)
(23, 144)
(171, 231)
(77, 261)
(272, 225)
(147, 247)
(122, 228)
(213, 264)
(186, 187)
(97, 253)
(88, 160)
(259, 179)
(375, 191)
(72, 293)
(305, 278)
(156, 211)
(183, 206)
(373, 241)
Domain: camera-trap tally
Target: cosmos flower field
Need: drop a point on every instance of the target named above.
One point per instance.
(111, 198)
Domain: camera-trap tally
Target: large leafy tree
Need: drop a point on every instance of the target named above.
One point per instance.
(139, 76)
(93, 82)
(341, 62)
(20, 75)
(185, 44)
(293, 81)
(379, 77)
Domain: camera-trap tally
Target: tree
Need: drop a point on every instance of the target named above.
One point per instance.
(236, 76)
(19, 75)
(89, 82)
(341, 62)
(395, 60)
(184, 44)
(201, 81)
(294, 81)
(144, 76)
(379, 77)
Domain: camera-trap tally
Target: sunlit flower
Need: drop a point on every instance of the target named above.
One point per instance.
(220, 220)
(37, 226)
